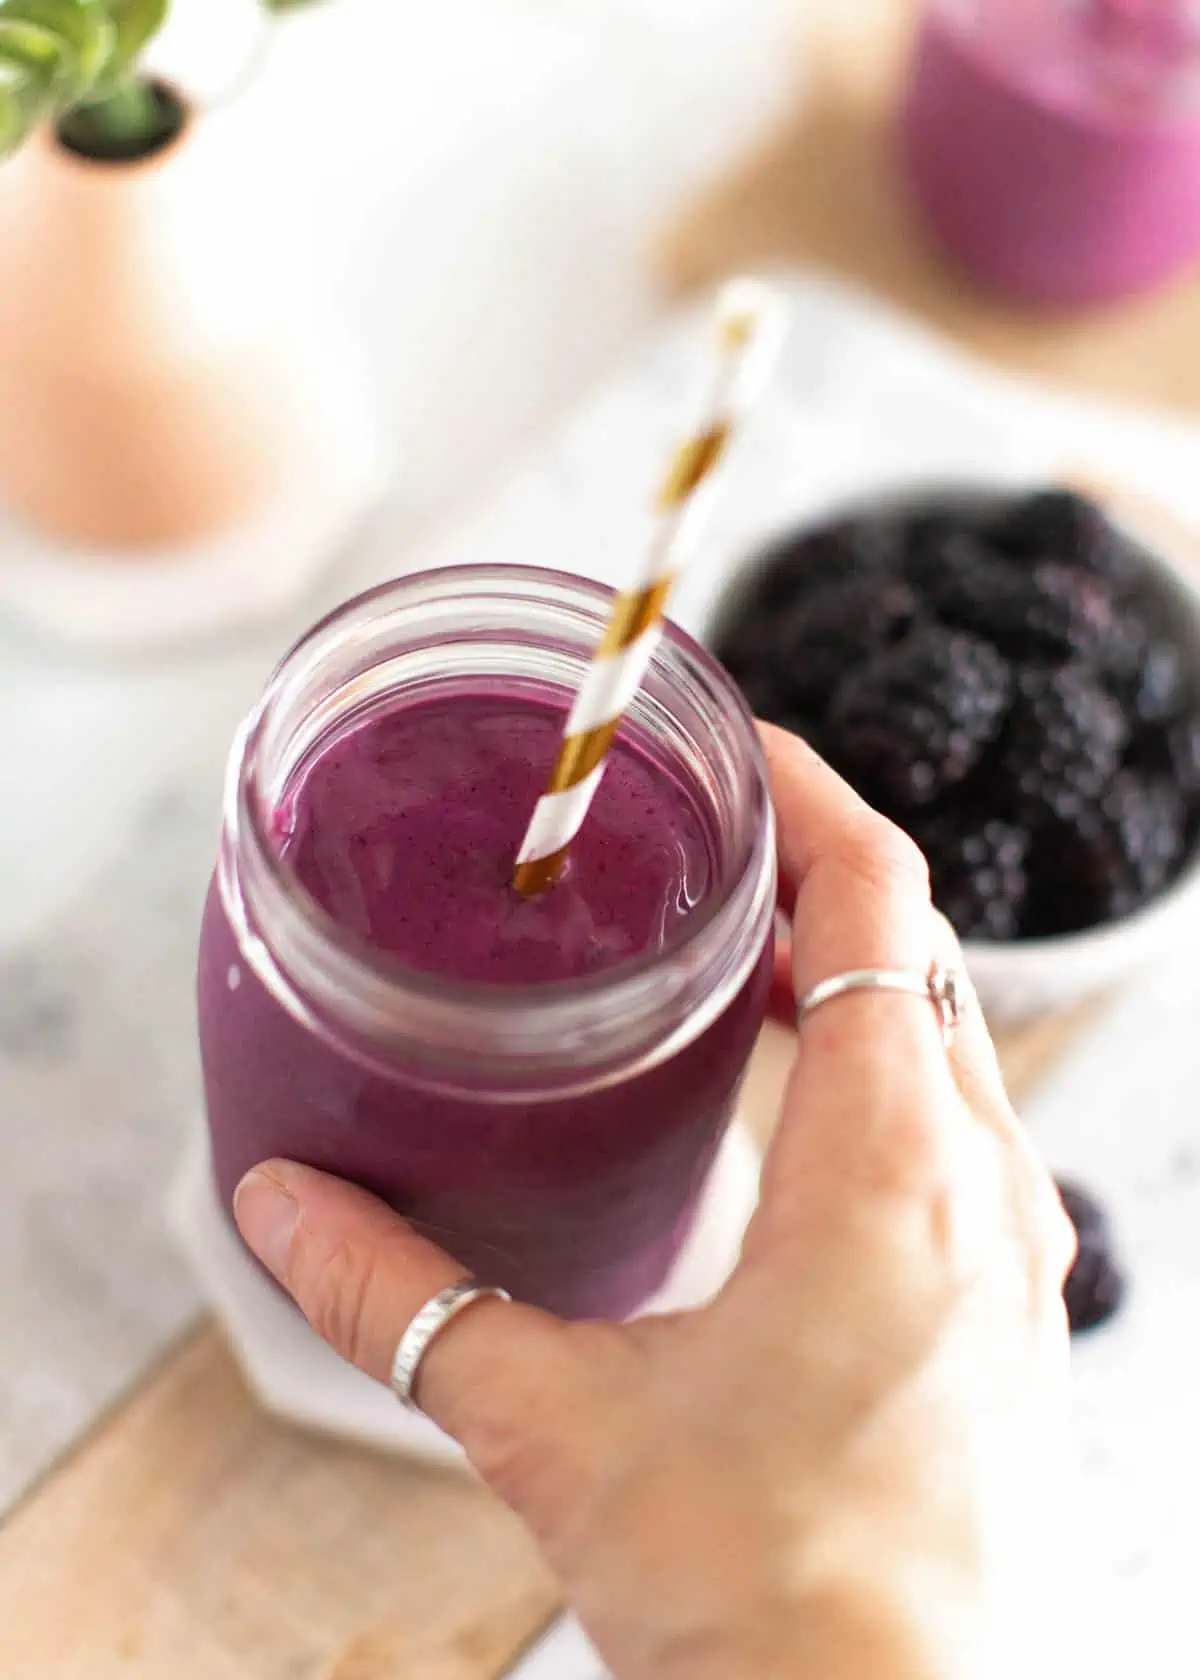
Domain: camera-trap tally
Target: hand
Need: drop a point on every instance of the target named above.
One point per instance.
(823, 1472)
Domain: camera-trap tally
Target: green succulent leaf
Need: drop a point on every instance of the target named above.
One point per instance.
(25, 98)
(135, 23)
(85, 33)
(31, 44)
(31, 68)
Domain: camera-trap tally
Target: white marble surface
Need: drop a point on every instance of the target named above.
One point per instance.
(1123, 1115)
(109, 784)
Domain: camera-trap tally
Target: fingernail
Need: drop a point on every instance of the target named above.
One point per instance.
(267, 1217)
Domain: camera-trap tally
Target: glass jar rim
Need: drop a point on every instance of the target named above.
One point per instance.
(563, 1008)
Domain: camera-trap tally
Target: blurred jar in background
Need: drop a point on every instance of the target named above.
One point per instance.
(1054, 145)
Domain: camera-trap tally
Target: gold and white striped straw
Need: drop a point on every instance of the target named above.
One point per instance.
(748, 330)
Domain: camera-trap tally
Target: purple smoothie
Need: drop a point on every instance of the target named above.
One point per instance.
(405, 831)
(402, 829)
(1055, 146)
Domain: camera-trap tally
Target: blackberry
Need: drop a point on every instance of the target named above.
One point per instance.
(1183, 749)
(977, 871)
(945, 566)
(811, 730)
(1097, 1285)
(1145, 822)
(1062, 526)
(792, 661)
(928, 533)
(1143, 670)
(1171, 751)
(752, 650)
(915, 719)
(1049, 613)
(1064, 741)
(805, 564)
(1110, 859)
(1071, 612)
(831, 634)
(758, 690)
(1149, 752)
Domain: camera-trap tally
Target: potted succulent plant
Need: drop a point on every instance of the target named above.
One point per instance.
(164, 396)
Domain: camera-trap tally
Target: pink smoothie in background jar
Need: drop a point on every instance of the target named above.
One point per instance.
(1054, 145)
(539, 1084)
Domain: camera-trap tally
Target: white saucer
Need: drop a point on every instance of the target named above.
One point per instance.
(299, 1379)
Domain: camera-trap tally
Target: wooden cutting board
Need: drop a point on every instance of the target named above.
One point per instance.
(190, 1537)
(193, 1538)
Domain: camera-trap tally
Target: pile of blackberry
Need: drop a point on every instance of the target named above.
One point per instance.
(1004, 677)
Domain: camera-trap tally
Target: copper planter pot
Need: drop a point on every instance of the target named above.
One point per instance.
(174, 401)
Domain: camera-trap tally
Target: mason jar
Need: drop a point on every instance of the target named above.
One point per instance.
(554, 1138)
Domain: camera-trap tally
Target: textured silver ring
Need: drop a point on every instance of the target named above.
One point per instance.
(942, 987)
(441, 1309)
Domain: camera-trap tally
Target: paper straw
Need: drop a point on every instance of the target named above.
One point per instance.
(747, 331)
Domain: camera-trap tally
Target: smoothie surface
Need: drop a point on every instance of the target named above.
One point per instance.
(405, 827)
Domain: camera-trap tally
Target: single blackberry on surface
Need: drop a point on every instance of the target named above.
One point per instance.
(1061, 526)
(1046, 613)
(1097, 1285)
(1063, 742)
(1109, 859)
(1143, 669)
(977, 871)
(914, 720)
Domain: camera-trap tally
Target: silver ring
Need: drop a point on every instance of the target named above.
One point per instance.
(441, 1309)
(942, 987)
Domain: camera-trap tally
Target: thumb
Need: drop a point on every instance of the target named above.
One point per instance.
(508, 1382)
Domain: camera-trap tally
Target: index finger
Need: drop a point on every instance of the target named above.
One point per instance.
(860, 885)
(873, 1087)
(858, 891)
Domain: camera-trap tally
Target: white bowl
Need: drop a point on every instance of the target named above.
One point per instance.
(1019, 979)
